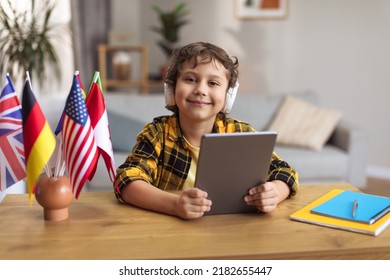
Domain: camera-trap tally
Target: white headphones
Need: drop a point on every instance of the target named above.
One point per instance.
(229, 100)
(169, 95)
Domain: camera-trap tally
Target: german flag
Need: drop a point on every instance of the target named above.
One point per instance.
(39, 141)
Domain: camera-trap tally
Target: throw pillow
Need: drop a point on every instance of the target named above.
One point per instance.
(124, 131)
(299, 123)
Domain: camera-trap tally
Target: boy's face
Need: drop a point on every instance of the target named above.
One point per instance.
(200, 92)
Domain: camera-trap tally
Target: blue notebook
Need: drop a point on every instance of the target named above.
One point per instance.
(369, 207)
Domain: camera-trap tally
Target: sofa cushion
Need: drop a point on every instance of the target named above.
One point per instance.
(137, 106)
(259, 109)
(330, 165)
(302, 124)
(255, 109)
(123, 131)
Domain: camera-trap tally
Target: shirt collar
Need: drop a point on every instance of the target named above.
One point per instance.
(174, 131)
(175, 134)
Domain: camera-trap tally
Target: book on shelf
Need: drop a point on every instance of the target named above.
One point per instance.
(337, 209)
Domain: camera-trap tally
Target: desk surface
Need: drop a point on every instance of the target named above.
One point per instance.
(101, 228)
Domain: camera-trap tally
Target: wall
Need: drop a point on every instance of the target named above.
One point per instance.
(338, 49)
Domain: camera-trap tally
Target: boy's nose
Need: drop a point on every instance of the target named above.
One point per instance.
(200, 89)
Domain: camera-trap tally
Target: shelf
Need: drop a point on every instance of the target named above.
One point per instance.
(142, 50)
(156, 85)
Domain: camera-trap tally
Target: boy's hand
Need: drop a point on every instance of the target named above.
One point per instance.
(265, 197)
(192, 203)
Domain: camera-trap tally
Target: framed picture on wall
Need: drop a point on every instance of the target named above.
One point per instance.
(261, 9)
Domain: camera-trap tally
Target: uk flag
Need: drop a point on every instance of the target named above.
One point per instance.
(12, 160)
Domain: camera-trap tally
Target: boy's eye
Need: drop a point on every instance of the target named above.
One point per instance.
(190, 79)
(213, 83)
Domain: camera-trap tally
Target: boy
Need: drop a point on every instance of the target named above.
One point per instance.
(167, 149)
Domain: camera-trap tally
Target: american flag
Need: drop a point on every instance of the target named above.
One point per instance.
(79, 145)
(59, 125)
(12, 161)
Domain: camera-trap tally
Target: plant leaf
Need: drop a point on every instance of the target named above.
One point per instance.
(27, 45)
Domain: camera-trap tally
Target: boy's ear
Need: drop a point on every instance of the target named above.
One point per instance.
(230, 97)
(169, 95)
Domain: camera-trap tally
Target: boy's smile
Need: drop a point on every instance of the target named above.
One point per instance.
(199, 102)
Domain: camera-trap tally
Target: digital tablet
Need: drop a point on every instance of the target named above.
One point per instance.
(230, 164)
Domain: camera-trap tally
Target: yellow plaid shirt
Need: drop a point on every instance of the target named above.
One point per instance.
(161, 156)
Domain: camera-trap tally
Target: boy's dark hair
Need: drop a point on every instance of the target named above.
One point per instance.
(208, 53)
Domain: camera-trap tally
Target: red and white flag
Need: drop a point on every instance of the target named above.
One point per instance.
(97, 112)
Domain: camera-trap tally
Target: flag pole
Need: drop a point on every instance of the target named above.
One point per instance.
(97, 73)
(63, 168)
(58, 160)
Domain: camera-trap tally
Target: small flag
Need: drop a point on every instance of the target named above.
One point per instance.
(39, 141)
(97, 112)
(59, 125)
(96, 79)
(12, 162)
(79, 146)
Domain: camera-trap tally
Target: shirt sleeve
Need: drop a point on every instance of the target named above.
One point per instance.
(141, 164)
(281, 170)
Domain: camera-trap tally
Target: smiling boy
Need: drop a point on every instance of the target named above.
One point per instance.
(165, 156)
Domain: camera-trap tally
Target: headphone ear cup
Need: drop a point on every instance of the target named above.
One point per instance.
(169, 95)
(230, 97)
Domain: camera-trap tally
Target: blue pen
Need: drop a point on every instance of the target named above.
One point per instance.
(354, 208)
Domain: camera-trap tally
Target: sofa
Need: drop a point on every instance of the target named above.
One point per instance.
(342, 159)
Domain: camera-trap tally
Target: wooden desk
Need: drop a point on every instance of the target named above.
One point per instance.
(101, 228)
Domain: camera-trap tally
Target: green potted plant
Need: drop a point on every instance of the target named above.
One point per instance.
(26, 42)
(171, 22)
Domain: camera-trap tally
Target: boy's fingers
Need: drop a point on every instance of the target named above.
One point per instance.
(195, 193)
